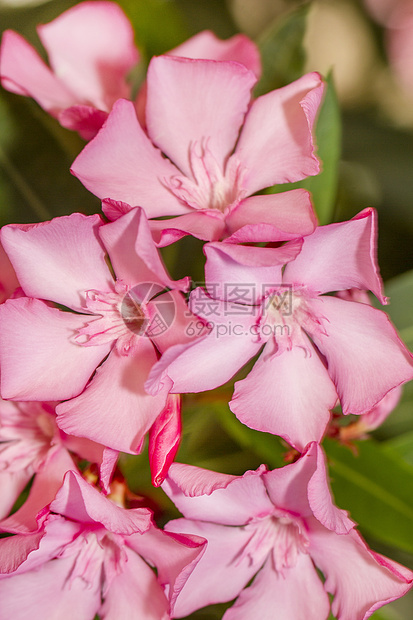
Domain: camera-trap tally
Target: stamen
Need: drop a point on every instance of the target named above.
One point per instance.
(211, 187)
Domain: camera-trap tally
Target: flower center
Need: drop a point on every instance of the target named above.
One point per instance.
(287, 312)
(99, 558)
(27, 432)
(210, 187)
(280, 535)
(117, 316)
(133, 315)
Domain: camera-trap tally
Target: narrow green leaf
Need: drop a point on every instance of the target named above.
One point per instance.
(282, 50)
(375, 486)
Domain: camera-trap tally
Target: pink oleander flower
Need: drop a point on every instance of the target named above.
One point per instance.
(31, 444)
(90, 557)
(91, 51)
(278, 527)
(96, 357)
(220, 148)
(315, 348)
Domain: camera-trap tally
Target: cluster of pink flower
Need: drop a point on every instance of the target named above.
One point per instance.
(97, 342)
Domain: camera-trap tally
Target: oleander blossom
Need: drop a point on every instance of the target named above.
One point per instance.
(314, 347)
(214, 162)
(277, 527)
(110, 334)
(90, 557)
(32, 445)
(87, 75)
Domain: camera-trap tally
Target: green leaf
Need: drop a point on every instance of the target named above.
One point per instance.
(282, 51)
(375, 486)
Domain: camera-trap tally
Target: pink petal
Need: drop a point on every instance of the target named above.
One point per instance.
(365, 357)
(276, 145)
(205, 225)
(232, 268)
(360, 581)
(302, 488)
(77, 43)
(56, 533)
(340, 256)
(84, 119)
(206, 45)
(45, 486)
(288, 394)
(287, 486)
(46, 593)
(374, 418)
(287, 216)
(79, 501)
(178, 370)
(107, 467)
(180, 330)
(134, 593)
(113, 209)
(321, 501)
(115, 409)
(183, 100)
(132, 251)
(297, 594)
(23, 72)
(220, 574)
(164, 437)
(95, 453)
(174, 556)
(39, 360)
(220, 498)
(66, 258)
(15, 550)
(122, 164)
